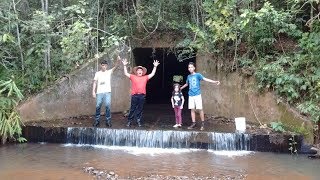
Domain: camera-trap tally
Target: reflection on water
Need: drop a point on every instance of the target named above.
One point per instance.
(53, 161)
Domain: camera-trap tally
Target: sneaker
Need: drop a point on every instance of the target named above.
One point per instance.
(96, 124)
(192, 125)
(179, 125)
(202, 126)
(128, 124)
(108, 124)
(139, 124)
(176, 125)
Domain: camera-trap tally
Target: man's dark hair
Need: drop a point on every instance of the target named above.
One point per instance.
(104, 62)
(192, 63)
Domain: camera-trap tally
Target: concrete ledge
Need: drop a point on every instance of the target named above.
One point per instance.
(190, 139)
(45, 134)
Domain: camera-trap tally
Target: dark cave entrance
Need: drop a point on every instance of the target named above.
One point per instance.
(170, 70)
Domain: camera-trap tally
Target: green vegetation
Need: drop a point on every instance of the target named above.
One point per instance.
(277, 126)
(10, 123)
(279, 41)
(281, 127)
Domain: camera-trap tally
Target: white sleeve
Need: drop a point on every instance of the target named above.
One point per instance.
(110, 72)
(96, 76)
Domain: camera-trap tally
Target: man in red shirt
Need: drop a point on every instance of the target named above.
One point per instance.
(138, 89)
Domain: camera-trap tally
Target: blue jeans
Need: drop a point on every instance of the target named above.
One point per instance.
(106, 98)
(137, 102)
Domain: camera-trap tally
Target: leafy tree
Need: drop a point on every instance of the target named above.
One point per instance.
(42, 40)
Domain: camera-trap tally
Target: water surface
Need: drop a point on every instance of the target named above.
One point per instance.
(55, 161)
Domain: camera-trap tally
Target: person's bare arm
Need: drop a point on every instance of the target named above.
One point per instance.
(155, 65)
(125, 63)
(211, 81)
(94, 88)
(184, 86)
(172, 103)
(182, 103)
(116, 65)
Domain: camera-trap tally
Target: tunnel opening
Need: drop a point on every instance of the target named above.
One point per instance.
(170, 71)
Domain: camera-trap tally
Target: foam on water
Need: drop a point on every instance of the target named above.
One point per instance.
(157, 151)
(231, 153)
(138, 150)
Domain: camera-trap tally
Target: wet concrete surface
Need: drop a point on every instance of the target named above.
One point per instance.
(155, 117)
(200, 140)
(162, 118)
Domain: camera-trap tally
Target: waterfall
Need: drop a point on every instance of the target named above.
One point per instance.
(158, 138)
(229, 141)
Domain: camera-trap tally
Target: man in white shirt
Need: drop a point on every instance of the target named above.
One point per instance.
(102, 91)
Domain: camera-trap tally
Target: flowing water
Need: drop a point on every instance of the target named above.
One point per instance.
(141, 153)
(158, 138)
(66, 161)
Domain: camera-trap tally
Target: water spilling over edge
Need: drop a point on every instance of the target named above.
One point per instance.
(158, 138)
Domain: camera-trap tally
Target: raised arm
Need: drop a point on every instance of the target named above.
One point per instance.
(125, 63)
(155, 65)
(116, 64)
(211, 81)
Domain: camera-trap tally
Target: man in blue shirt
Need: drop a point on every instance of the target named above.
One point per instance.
(195, 100)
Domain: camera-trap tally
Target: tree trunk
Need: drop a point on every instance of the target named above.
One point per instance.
(46, 6)
(48, 42)
(49, 55)
(139, 23)
(316, 139)
(3, 139)
(42, 5)
(47, 58)
(18, 36)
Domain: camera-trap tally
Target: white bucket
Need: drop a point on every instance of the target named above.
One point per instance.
(240, 124)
